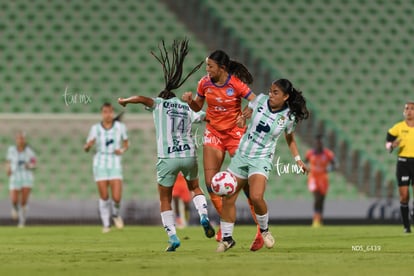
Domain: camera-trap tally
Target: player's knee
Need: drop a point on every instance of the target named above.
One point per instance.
(256, 198)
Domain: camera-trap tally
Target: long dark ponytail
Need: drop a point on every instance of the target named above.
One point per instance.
(296, 102)
(232, 67)
(173, 69)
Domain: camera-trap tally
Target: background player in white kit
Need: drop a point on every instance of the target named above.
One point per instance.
(21, 161)
(273, 115)
(111, 140)
(175, 145)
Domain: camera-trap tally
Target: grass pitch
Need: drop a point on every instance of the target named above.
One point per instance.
(139, 250)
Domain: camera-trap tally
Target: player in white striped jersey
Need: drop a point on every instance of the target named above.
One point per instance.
(111, 140)
(175, 145)
(273, 115)
(21, 161)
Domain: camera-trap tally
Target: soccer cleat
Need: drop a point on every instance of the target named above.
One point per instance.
(174, 242)
(218, 235)
(14, 214)
(118, 221)
(407, 230)
(106, 230)
(268, 239)
(208, 229)
(258, 242)
(223, 246)
(316, 224)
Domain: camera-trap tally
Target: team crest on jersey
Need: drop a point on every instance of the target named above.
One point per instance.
(230, 92)
(281, 121)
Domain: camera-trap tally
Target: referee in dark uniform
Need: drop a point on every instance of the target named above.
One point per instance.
(401, 136)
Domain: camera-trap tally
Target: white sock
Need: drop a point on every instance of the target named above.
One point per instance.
(115, 209)
(200, 203)
(104, 210)
(167, 218)
(263, 221)
(22, 215)
(226, 229)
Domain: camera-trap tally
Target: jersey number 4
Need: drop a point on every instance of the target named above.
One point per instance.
(178, 125)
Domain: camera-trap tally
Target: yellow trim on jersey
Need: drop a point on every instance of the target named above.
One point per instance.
(405, 134)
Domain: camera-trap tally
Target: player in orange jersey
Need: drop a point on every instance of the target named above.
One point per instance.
(223, 88)
(181, 192)
(320, 161)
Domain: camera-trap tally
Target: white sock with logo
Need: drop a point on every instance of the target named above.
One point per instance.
(200, 203)
(167, 218)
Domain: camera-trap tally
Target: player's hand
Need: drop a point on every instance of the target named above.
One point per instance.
(9, 171)
(119, 151)
(247, 113)
(122, 102)
(187, 97)
(86, 147)
(396, 143)
(241, 121)
(302, 166)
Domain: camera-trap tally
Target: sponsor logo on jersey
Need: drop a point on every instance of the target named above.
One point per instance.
(175, 105)
(263, 126)
(177, 147)
(108, 142)
(220, 108)
(230, 92)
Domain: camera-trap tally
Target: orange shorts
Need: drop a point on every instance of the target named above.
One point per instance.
(227, 140)
(181, 190)
(318, 183)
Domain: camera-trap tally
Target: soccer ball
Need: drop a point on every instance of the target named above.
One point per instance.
(223, 184)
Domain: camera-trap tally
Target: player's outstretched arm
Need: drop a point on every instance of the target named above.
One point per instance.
(8, 168)
(290, 140)
(149, 102)
(88, 145)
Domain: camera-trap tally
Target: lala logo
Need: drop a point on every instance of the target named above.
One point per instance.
(230, 92)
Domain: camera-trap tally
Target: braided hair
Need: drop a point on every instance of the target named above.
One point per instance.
(173, 69)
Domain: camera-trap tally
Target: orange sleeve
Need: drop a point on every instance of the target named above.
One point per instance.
(330, 154)
(200, 87)
(242, 88)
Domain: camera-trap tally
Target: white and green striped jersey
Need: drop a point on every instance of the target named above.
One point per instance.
(106, 142)
(264, 130)
(173, 121)
(18, 161)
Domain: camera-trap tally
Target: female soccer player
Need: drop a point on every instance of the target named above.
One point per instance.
(320, 160)
(223, 88)
(176, 149)
(111, 139)
(272, 115)
(181, 193)
(401, 135)
(21, 161)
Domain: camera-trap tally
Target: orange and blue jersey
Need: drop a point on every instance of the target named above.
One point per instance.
(319, 162)
(223, 102)
(318, 174)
